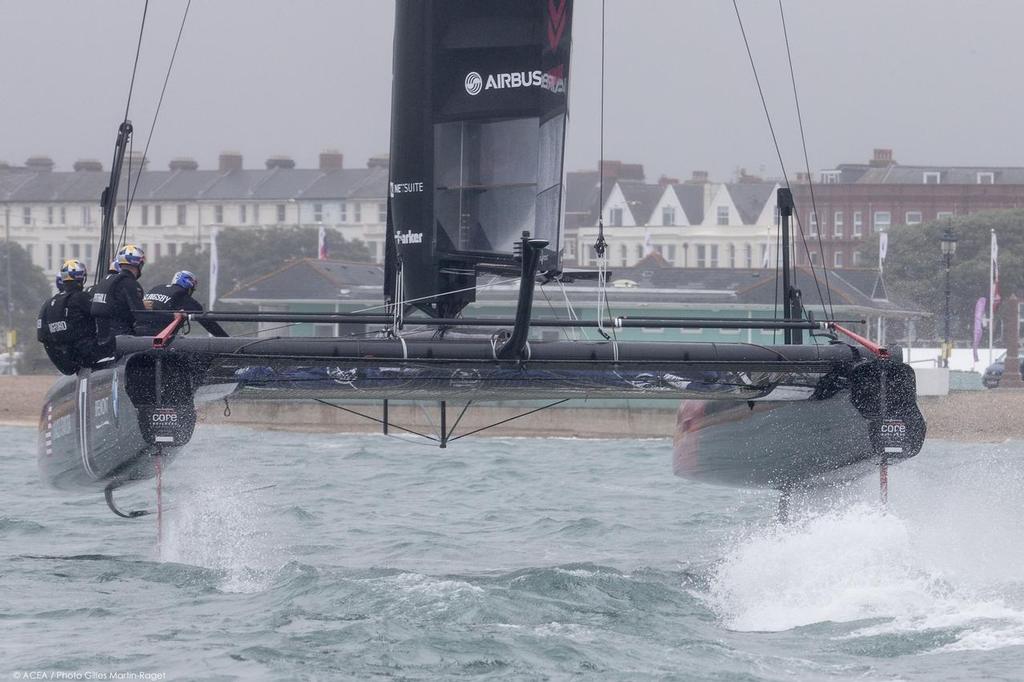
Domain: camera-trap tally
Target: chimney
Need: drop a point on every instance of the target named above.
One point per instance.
(87, 165)
(229, 161)
(699, 177)
(665, 181)
(882, 158)
(378, 161)
(331, 159)
(183, 164)
(617, 170)
(280, 162)
(40, 164)
(132, 160)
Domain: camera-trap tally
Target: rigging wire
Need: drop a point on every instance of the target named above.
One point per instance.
(778, 149)
(807, 163)
(156, 114)
(138, 51)
(600, 246)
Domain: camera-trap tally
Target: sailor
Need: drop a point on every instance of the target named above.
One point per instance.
(65, 326)
(173, 297)
(115, 298)
(111, 271)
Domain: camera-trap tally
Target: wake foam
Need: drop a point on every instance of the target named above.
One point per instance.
(945, 557)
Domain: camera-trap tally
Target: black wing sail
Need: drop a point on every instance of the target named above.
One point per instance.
(479, 107)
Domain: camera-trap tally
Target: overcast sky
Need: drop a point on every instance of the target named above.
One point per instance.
(937, 80)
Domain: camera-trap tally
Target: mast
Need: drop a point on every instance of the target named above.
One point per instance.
(479, 109)
(108, 200)
(791, 307)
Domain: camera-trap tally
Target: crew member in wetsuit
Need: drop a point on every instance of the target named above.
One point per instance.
(173, 297)
(115, 299)
(65, 326)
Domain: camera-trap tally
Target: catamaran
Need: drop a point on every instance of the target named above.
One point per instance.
(479, 118)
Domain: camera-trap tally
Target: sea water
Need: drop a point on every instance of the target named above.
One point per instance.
(509, 558)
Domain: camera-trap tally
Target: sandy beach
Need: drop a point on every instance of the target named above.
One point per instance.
(968, 416)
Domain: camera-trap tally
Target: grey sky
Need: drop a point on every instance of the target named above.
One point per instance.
(937, 80)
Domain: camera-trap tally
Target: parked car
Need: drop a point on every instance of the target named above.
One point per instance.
(994, 372)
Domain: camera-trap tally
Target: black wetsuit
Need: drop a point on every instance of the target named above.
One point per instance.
(114, 301)
(171, 297)
(66, 329)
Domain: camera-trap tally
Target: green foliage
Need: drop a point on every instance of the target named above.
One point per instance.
(915, 269)
(30, 288)
(246, 254)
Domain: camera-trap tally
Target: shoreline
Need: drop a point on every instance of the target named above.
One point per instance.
(969, 416)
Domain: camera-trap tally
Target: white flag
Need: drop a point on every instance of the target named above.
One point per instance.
(214, 266)
(883, 247)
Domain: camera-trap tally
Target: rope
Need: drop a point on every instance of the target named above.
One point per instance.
(156, 114)
(138, 51)
(601, 246)
(807, 163)
(778, 149)
(444, 293)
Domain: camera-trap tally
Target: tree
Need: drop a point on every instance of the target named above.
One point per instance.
(30, 288)
(915, 269)
(245, 254)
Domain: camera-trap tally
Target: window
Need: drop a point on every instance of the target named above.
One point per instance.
(837, 224)
(63, 215)
(837, 259)
(63, 252)
(158, 215)
(242, 217)
(856, 258)
(702, 256)
(157, 250)
(87, 215)
(570, 248)
(714, 256)
(145, 215)
(181, 214)
(722, 215)
(748, 256)
(120, 214)
(882, 221)
(318, 213)
(615, 217)
(858, 223)
(88, 254)
(344, 212)
(913, 218)
(624, 254)
(49, 215)
(732, 255)
(944, 215)
(26, 215)
(932, 177)
(49, 256)
(813, 222)
(357, 212)
(76, 251)
(280, 213)
(256, 214)
(671, 253)
(172, 249)
(218, 214)
(145, 247)
(986, 178)
(382, 212)
(814, 257)
(830, 177)
(639, 251)
(668, 215)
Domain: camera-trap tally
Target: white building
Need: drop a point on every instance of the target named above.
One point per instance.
(56, 215)
(694, 225)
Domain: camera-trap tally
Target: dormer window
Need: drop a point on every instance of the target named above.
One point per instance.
(615, 217)
(932, 177)
(668, 215)
(986, 178)
(722, 215)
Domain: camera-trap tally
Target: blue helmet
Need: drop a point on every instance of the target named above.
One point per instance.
(73, 271)
(129, 254)
(186, 280)
(114, 266)
(60, 283)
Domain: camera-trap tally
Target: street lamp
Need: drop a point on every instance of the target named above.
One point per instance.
(948, 243)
